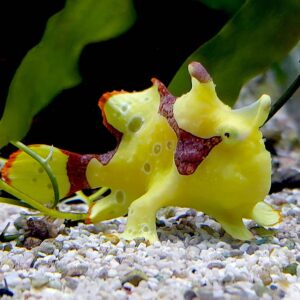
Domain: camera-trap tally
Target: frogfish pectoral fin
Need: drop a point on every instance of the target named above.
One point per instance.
(265, 215)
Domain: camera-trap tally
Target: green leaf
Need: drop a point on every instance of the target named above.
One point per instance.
(51, 66)
(261, 33)
(230, 6)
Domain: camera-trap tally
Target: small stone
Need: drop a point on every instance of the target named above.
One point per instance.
(55, 284)
(128, 286)
(160, 223)
(47, 247)
(260, 289)
(292, 200)
(235, 253)
(60, 239)
(169, 212)
(290, 269)
(32, 242)
(71, 283)
(195, 240)
(236, 244)
(134, 277)
(156, 244)
(58, 245)
(290, 244)
(263, 240)
(191, 212)
(141, 240)
(293, 212)
(266, 278)
(112, 273)
(279, 200)
(207, 296)
(244, 247)
(216, 265)
(39, 280)
(7, 247)
(54, 227)
(263, 232)
(102, 273)
(273, 287)
(5, 268)
(20, 222)
(189, 295)
(73, 269)
(208, 229)
(281, 294)
(114, 239)
(228, 278)
(251, 249)
(13, 279)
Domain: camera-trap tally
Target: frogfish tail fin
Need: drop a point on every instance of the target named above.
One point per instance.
(25, 174)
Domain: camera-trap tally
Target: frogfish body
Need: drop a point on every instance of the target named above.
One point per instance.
(192, 151)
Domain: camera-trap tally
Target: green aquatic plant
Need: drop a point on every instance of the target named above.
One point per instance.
(260, 34)
(51, 66)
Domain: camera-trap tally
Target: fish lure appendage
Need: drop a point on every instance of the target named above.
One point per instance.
(171, 152)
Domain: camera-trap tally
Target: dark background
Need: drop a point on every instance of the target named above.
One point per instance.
(164, 34)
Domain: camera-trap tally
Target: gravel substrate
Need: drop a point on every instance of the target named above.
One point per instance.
(194, 258)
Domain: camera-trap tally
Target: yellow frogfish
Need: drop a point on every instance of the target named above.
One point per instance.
(192, 151)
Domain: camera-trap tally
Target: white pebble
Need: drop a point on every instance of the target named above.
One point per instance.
(112, 273)
(5, 268)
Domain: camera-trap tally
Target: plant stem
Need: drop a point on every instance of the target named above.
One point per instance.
(14, 202)
(9, 237)
(284, 98)
(97, 194)
(87, 199)
(36, 205)
(45, 165)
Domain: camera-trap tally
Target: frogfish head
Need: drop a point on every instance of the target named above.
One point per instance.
(203, 114)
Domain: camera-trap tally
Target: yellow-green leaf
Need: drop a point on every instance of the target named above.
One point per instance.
(51, 66)
(261, 33)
